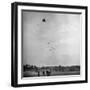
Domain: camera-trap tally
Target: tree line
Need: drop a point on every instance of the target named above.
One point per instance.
(51, 68)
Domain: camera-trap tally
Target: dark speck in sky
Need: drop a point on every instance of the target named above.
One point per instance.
(44, 20)
(48, 42)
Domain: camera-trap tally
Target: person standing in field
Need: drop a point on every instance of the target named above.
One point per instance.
(38, 73)
(43, 73)
(48, 73)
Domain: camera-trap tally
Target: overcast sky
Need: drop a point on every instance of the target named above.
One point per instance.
(56, 41)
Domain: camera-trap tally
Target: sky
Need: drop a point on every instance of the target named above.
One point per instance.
(54, 41)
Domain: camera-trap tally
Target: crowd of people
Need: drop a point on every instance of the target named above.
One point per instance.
(44, 73)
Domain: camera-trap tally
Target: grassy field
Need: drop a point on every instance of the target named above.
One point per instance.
(53, 73)
(34, 71)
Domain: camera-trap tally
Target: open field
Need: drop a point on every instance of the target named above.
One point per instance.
(35, 74)
(33, 71)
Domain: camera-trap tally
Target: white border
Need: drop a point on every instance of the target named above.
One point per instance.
(51, 78)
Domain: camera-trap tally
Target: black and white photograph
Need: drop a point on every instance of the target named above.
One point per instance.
(49, 44)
